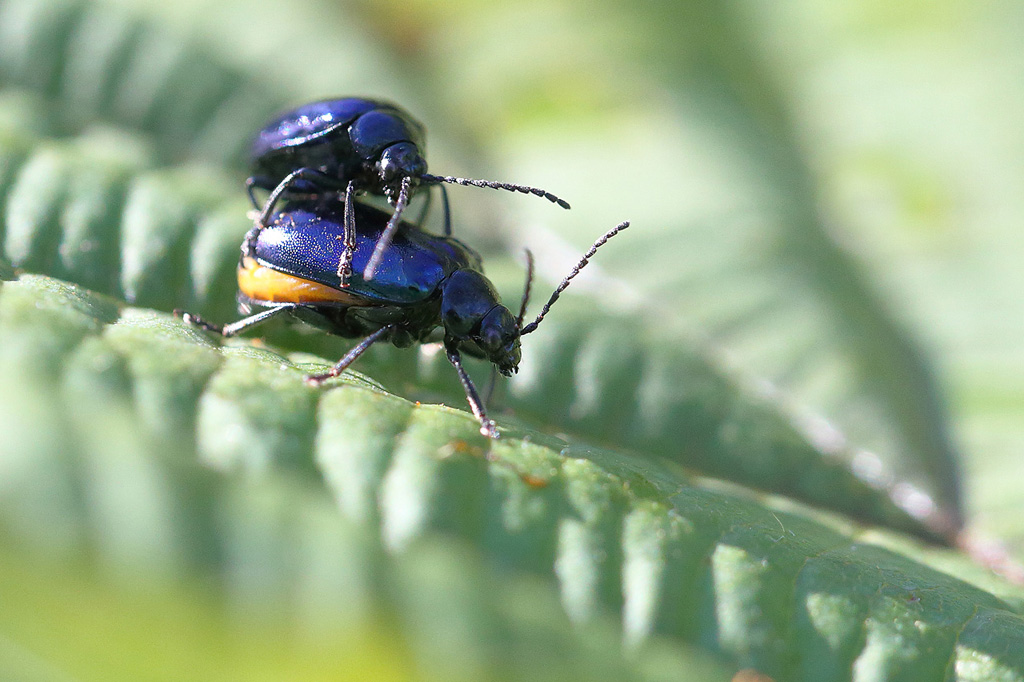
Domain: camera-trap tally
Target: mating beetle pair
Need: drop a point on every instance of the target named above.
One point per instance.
(298, 262)
(350, 145)
(424, 281)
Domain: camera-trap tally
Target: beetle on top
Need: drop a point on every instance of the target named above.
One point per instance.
(350, 145)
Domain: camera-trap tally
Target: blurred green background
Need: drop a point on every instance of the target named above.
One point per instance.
(825, 199)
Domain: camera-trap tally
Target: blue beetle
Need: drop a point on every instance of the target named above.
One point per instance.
(347, 145)
(424, 282)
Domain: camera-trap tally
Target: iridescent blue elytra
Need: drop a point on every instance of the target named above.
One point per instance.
(425, 282)
(305, 242)
(346, 146)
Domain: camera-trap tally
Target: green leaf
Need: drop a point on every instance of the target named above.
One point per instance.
(678, 559)
(164, 567)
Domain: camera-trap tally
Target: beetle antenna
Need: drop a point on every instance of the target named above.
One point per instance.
(526, 290)
(575, 271)
(536, 191)
(389, 232)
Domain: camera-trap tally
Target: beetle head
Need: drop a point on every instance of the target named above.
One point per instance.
(472, 314)
(400, 160)
(498, 338)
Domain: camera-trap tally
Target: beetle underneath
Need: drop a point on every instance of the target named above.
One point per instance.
(424, 282)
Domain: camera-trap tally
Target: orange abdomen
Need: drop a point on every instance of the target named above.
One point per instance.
(261, 283)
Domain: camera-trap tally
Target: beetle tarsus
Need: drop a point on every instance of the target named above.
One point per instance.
(349, 235)
(489, 428)
(196, 321)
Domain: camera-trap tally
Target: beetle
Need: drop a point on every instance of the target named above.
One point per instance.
(350, 145)
(424, 282)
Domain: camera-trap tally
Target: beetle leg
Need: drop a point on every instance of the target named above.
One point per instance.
(286, 183)
(447, 211)
(235, 328)
(389, 231)
(251, 184)
(345, 263)
(428, 202)
(428, 199)
(249, 243)
(487, 425)
(250, 188)
(350, 356)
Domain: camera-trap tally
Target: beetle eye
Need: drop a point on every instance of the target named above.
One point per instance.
(496, 330)
(490, 339)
